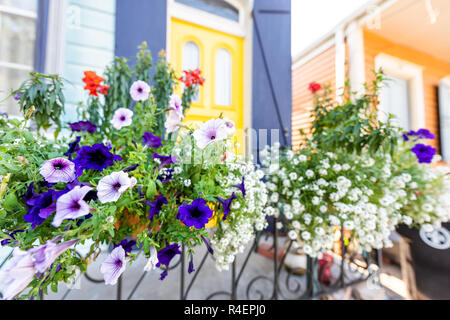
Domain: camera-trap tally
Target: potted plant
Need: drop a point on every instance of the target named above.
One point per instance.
(130, 175)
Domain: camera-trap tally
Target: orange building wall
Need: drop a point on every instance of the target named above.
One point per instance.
(434, 70)
(320, 69)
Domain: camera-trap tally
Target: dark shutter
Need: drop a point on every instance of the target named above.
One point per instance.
(444, 115)
(272, 86)
(138, 21)
(41, 35)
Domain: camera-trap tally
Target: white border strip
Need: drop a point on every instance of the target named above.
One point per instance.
(16, 66)
(18, 12)
(203, 18)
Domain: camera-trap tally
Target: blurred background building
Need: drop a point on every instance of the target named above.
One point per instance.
(409, 40)
(243, 48)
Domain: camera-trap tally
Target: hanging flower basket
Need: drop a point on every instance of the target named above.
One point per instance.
(131, 175)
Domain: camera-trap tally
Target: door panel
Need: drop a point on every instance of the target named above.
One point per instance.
(225, 75)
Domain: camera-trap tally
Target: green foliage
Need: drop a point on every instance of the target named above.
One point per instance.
(164, 81)
(44, 92)
(22, 155)
(353, 125)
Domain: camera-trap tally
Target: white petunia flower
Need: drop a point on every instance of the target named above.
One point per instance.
(122, 118)
(111, 187)
(209, 132)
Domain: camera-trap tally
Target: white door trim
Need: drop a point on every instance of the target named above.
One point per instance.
(414, 74)
(56, 35)
(209, 20)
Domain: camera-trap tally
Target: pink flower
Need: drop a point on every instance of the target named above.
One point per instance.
(209, 132)
(111, 187)
(140, 91)
(173, 122)
(122, 118)
(114, 266)
(71, 205)
(45, 255)
(230, 127)
(58, 170)
(176, 106)
(17, 274)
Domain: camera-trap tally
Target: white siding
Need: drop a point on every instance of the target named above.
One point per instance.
(90, 32)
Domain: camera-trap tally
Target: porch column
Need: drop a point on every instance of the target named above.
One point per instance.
(357, 74)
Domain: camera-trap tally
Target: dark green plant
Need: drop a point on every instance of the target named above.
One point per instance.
(352, 125)
(164, 81)
(44, 92)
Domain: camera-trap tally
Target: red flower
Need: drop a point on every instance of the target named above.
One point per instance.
(93, 84)
(104, 89)
(325, 265)
(192, 77)
(314, 87)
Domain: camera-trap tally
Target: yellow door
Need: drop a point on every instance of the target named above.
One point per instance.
(220, 58)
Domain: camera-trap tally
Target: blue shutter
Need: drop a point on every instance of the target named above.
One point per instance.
(138, 21)
(444, 115)
(272, 85)
(41, 35)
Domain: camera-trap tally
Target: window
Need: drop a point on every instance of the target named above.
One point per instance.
(218, 7)
(395, 97)
(17, 38)
(191, 56)
(191, 59)
(404, 92)
(223, 77)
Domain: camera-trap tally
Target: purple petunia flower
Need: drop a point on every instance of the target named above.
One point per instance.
(165, 160)
(40, 207)
(111, 187)
(196, 214)
(241, 187)
(425, 134)
(12, 235)
(226, 205)
(140, 193)
(98, 157)
(83, 126)
(73, 147)
(151, 140)
(58, 170)
(424, 153)
(191, 263)
(165, 256)
(45, 255)
(131, 168)
(156, 206)
(17, 96)
(17, 274)
(71, 205)
(208, 246)
(123, 117)
(114, 266)
(140, 91)
(419, 134)
(127, 245)
(405, 137)
(166, 176)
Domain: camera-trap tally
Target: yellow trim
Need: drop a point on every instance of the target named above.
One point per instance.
(208, 42)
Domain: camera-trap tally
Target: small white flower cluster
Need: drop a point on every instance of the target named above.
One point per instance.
(247, 215)
(318, 194)
(426, 199)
